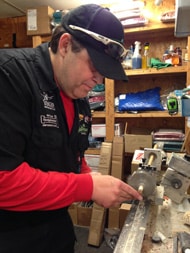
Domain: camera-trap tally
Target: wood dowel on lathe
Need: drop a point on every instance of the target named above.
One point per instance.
(140, 189)
(151, 159)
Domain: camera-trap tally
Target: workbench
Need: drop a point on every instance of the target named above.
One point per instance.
(168, 220)
(154, 223)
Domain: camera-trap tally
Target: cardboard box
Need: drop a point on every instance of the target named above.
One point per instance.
(117, 157)
(137, 158)
(113, 217)
(137, 138)
(38, 20)
(80, 214)
(97, 225)
(123, 212)
(105, 158)
(73, 212)
(118, 146)
(84, 216)
(117, 167)
(118, 215)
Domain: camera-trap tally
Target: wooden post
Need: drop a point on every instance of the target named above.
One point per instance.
(110, 109)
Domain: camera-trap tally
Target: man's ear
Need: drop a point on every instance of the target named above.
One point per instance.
(64, 43)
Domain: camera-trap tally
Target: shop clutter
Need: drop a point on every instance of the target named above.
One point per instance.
(139, 57)
(130, 15)
(178, 101)
(96, 98)
(175, 102)
(171, 139)
(148, 100)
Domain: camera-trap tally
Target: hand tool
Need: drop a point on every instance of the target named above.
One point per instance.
(143, 180)
(132, 234)
(174, 185)
(184, 239)
(175, 244)
(176, 179)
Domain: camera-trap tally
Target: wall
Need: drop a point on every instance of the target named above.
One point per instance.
(13, 33)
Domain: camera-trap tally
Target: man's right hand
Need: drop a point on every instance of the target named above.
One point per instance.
(109, 191)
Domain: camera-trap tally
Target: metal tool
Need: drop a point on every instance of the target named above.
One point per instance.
(132, 234)
(174, 184)
(144, 180)
(176, 179)
(184, 239)
(175, 244)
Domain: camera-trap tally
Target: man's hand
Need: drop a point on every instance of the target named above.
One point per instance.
(109, 191)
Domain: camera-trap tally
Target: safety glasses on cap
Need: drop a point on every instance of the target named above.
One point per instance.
(113, 48)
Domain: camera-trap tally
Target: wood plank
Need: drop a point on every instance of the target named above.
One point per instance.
(92, 151)
(98, 114)
(147, 114)
(155, 71)
(37, 39)
(110, 109)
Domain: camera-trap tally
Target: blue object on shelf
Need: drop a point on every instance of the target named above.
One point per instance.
(185, 106)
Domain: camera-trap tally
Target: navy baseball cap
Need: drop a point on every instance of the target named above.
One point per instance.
(102, 34)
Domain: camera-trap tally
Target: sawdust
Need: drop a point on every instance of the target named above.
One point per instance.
(168, 220)
(186, 218)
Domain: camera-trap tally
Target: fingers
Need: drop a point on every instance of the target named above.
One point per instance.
(127, 197)
(128, 191)
(111, 191)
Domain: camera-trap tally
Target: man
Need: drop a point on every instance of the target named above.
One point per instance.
(44, 125)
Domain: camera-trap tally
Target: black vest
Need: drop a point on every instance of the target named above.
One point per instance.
(51, 146)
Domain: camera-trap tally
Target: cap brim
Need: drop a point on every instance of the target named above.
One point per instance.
(106, 65)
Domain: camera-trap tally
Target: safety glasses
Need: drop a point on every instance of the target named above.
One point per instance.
(113, 48)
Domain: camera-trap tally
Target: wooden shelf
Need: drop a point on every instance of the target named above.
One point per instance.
(154, 71)
(150, 114)
(98, 114)
(151, 26)
(93, 151)
(164, 77)
(147, 114)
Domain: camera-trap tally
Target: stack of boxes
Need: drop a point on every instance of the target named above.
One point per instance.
(117, 215)
(98, 218)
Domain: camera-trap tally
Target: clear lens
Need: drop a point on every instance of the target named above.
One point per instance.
(116, 51)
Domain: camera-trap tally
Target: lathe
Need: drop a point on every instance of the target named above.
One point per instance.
(173, 184)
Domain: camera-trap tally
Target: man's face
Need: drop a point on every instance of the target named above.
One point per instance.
(74, 72)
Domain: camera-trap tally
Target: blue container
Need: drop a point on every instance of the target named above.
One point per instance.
(185, 106)
(137, 63)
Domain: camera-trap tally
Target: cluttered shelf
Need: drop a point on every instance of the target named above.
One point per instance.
(146, 114)
(155, 71)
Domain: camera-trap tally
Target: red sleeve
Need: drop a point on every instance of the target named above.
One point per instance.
(85, 168)
(26, 188)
